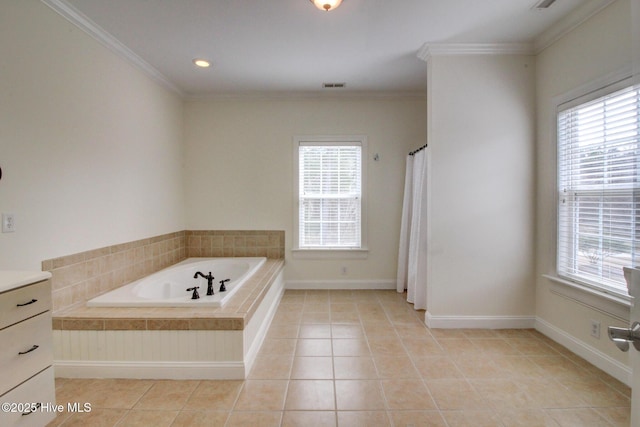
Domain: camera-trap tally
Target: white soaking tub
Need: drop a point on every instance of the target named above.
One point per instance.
(168, 287)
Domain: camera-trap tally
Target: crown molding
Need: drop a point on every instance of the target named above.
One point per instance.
(552, 34)
(81, 21)
(449, 49)
(293, 95)
(568, 23)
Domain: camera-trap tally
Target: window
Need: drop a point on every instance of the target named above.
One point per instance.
(599, 187)
(329, 193)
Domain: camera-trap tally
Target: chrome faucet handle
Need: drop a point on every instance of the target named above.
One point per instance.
(622, 337)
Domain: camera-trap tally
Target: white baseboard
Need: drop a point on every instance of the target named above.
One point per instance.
(341, 284)
(611, 366)
(149, 370)
(479, 322)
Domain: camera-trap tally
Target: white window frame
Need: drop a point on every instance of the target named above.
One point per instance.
(330, 252)
(581, 290)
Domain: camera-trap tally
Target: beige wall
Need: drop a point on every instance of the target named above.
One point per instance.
(93, 153)
(598, 47)
(90, 148)
(239, 170)
(481, 209)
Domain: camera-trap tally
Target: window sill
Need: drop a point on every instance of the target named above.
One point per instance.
(610, 304)
(333, 253)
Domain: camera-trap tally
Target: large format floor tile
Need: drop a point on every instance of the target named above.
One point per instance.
(365, 358)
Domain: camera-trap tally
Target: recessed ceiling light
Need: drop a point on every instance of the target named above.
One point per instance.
(203, 63)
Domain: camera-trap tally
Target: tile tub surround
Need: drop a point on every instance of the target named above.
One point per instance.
(169, 342)
(239, 243)
(234, 315)
(79, 277)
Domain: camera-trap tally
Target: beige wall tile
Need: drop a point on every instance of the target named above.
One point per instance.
(83, 324)
(100, 270)
(125, 324)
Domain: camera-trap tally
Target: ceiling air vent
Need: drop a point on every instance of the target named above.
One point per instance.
(543, 4)
(333, 85)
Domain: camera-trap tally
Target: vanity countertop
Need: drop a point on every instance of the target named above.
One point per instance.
(12, 279)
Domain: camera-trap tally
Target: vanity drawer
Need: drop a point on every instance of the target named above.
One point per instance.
(39, 389)
(24, 302)
(33, 339)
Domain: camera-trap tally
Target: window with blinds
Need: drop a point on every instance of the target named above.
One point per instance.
(599, 188)
(329, 195)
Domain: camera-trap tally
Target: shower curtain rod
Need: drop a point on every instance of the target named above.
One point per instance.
(411, 153)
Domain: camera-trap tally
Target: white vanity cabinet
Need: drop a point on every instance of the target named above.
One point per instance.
(27, 388)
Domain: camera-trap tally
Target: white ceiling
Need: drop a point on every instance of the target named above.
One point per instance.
(273, 46)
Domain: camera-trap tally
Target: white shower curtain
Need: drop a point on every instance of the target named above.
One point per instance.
(405, 227)
(412, 254)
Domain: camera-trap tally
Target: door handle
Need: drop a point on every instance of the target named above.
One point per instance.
(621, 337)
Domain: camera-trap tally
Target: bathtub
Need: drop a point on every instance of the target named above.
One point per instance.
(168, 287)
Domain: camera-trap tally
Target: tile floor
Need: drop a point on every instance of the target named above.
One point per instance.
(364, 358)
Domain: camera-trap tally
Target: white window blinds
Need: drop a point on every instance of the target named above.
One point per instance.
(330, 182)
(599, 189)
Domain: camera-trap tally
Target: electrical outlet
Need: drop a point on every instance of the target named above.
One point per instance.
(595, 329)
(8, 223)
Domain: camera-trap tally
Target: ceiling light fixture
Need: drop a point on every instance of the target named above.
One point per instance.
(326, 5)
(202, 63)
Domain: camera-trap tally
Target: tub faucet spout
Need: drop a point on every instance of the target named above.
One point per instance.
(209, 278)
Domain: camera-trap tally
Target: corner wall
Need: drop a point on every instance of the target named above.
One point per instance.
(481, 191)
(599, 46)
(91, 148)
